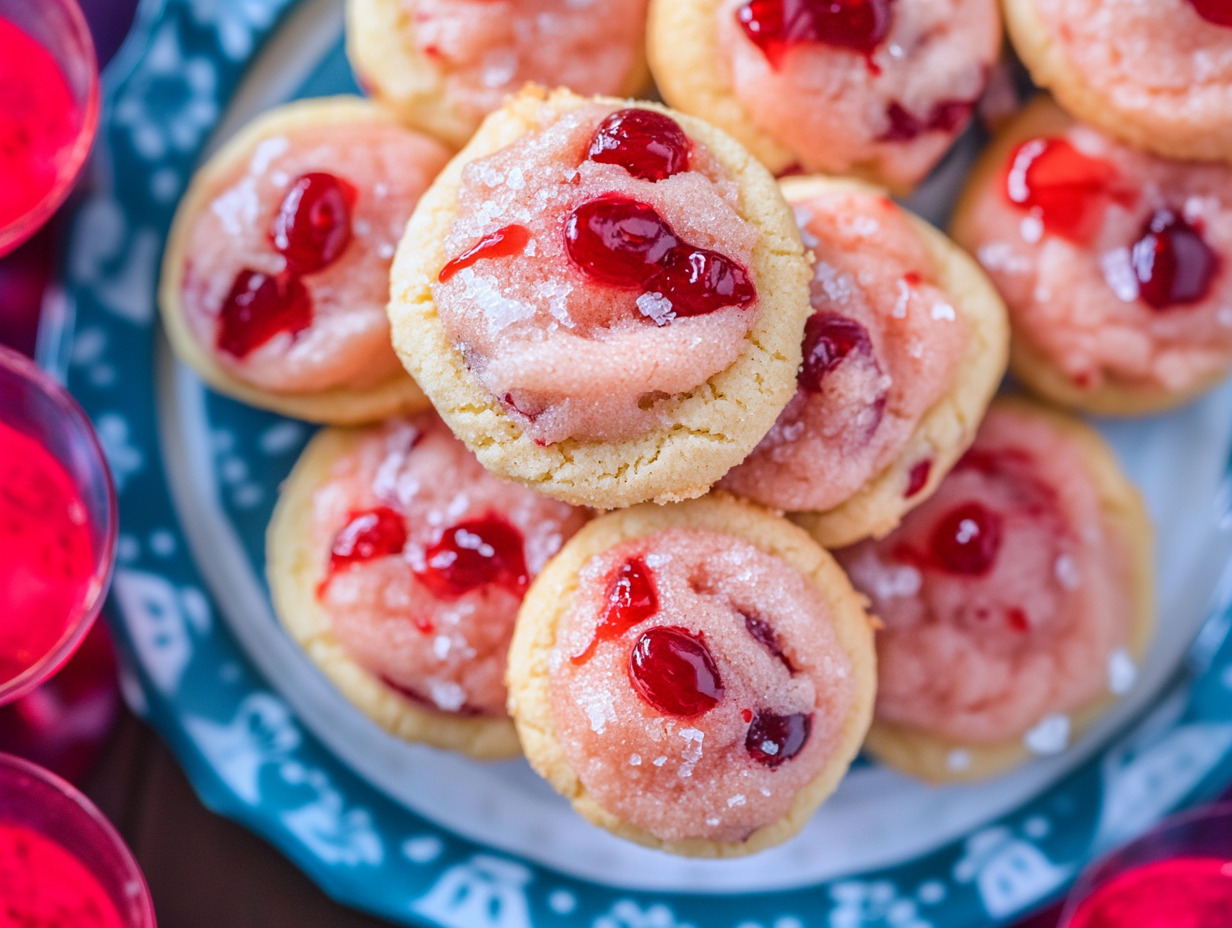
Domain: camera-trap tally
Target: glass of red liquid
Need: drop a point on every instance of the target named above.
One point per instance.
(61, 861)
(48, 110)
(57, 525)
(1178, 875)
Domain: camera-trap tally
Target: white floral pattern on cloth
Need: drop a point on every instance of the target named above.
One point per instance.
(236, 22)
(117, 265)
(1010, 872)
(483, 892)
(873, 904)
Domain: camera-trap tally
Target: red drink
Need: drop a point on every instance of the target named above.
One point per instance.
(47, 560)
(1183, 892)
(42, 885)
(40, 121)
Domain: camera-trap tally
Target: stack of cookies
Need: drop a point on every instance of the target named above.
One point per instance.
(662, 443)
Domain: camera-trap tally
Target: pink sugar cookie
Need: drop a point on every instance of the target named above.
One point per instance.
(870, 88)
(276, 272)
(1114, 263)
(399, 563)
(695, 677)
(1017, 601)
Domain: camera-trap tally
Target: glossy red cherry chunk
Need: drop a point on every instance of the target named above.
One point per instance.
(698, 281)
(475, 553)
(615, 240)
(370, 534)
(631, 599)
(312, 227)
(967, 539)
(917, 477)
(775, 26)
(775, 739)
(673, 671)
(767, 637)
(503, 243)
(1172, 262)
(258, 307)
(1218, 12)
(648, 145)
(945, 116)
(828, 339)
(1068, 190)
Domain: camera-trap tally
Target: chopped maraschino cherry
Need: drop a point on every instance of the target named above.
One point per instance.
(1172, 261)
(370, 534)
(765, 636)
(1065, 188)
(775, 26)
(475, 553)
(917, 477)
(258, 307)
(312, 227)
(673, 671)
(945, 116)
(648, 145)
(1218, 12)
(828, 339)
(618, 241)
(967, 539)
(631, 600)
(775, 739)
(503, 243)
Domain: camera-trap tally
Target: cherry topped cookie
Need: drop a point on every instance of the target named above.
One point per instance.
(276, 272)
(1156, 75)
(1017, 601)
(695, 678)
(874, 88)
(445, 64)
(1114, 263)
(603, 301)
(905, 347)
(398, 563)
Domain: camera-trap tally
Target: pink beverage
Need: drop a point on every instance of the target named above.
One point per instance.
(42, 885)
(47, 572)
(1183, 892)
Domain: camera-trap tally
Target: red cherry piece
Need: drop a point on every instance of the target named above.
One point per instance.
(828, 339)
(775, 26)
(618, 241)
(698, 281)
(648, 145)
(1017, 620)
(312, 227)
(503, 243)
(775, 739)
(1172, 261)
(945, 116)
(917, 477)
(1068, 189)
(258, 308)
(672, 670)
(473, 554)
(1218, 12)
(615, 240)
(370, 534)
(766, 636)
(631, 600)
(967, 539)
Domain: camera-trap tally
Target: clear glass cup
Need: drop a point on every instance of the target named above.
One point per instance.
(61, 28)
(1202, 832)
(39, 800)
(32, 403)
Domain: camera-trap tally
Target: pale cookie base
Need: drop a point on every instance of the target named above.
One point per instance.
(293, 572)
(714, 426)
(337, 405)
(924, 755)
(946, 430)
(551, 595)
(1157, 125)
(1114, 397)
(379, 46)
